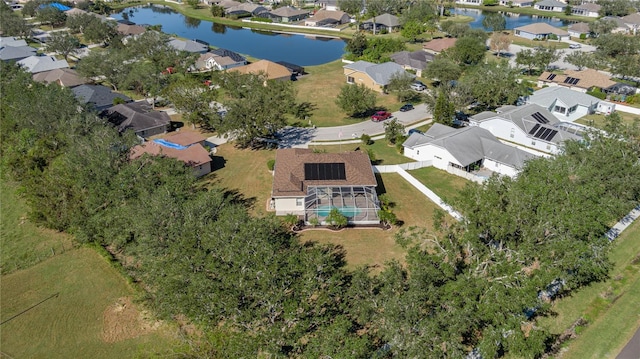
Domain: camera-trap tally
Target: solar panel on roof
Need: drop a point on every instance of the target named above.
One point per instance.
(575, 81)
(546, 133)
(551, 135)
(540, 132)
(539, 117)
(324, 171)
(551, 77)
(534, 129)
(567, 80)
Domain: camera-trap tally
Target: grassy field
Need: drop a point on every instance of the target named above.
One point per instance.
(93, 314)
(611, 307)
(597, 120)
(530, 43)
(321, 87)
(440, 182)
(23, 243)
(385, 154)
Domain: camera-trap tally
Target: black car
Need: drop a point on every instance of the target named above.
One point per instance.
(406, 107)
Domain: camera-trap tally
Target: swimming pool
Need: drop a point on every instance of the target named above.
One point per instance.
(323, 211)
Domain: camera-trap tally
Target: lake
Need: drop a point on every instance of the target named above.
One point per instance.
(513, 20)
(297, 49)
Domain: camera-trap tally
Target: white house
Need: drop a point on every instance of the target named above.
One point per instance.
(569, 105)
(465, 149)
(586, 9)
(469, 2)
(310, 185)
(540, 31)
(550, 5)
(531, 126)
(578, 29)
(516, 3)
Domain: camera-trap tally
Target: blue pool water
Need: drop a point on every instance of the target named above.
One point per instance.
(323, 211)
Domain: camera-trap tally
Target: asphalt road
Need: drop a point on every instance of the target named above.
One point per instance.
(632, 349)
(296, 136)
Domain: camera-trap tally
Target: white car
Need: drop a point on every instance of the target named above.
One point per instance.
(418, 86)
(575, 46)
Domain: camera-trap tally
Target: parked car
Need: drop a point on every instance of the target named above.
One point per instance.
(414, 130)
(418, 86)
(575, 46)
(406, 107)
(381, 116)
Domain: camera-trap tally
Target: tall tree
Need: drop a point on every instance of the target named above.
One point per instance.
(500, 42)
(443, 109)
(443, 70)
(194, 100)
(544, 56)
(356, 99)
(411, 30)
(494, 84)
(494, 21)
(468, 51)
(400, 84)
(393, 131)
(615, 7)
(527, 59)
(63, 44)
(357, 44)
(602, 26)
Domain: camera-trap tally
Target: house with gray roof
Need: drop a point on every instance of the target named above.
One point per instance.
(416, 61)
(37, 64)
(188, 46)
(579, 29)
(62, 77)
(569, 105)
(373, 76)
(12, 41)
(550, 5)
(246, 9)
(530, 127)
(621, 27)
(540, 31)
(286, 14)
(137, 117)
(633, 22)
(465, 149)
(97, 96)
(386, 22)
(586, 9)
(16, 53)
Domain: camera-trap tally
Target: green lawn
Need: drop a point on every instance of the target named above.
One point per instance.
(321, 87)
(85, 319)
(385, 154)
(440, 182)
(597, 120)
(611, 307)
(23, 243)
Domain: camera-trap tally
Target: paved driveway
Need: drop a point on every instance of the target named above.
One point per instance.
(296, 136)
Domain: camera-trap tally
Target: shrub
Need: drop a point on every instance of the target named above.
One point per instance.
(372, 155)
(336, 219)
(553, 37)
(271, 164)
(583, 36)
(314, 222)
(597, 93)
(633, 99)
(387, 217)
(366, 139)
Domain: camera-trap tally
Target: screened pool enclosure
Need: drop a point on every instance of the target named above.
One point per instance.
(358, 203)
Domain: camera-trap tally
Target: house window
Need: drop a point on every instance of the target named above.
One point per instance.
(548, 147)
(533, 142)
(560, 109)
(517, 32)
(299, 202)
(573, 109)
(417, 152)
(439, 158)
(513, 133)
(351, 80)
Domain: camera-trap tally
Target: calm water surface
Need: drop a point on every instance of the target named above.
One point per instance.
(513, 20)
(298, 49)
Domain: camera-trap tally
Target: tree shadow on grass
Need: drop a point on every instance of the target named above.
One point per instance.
(234, 196)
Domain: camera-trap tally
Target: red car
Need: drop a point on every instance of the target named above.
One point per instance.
(380, 116)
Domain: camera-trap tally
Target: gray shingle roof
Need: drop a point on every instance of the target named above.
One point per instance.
(288, 11)
(553, 3)
(97, 95)
(542, 28)
(36, 64)
(136, 116)
(387, 20)
(469, 145)
(8, 53)
(417, 59)
(188, 46)
(547, 96)
(379, 73)
(12, 41)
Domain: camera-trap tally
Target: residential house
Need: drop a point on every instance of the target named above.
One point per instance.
(436, 46)
(225, 4)
(97, 96)
(586, 9)
(373, 76)
(326, 18)
(272, 70)
(37, 64)
(517, 3)
(530, 126)
(130, 29)
(246, 9)
(219, 59)
(633, 22)
(12, 49)
(577, 80)
(331, 5)
(469, 2)
(309, 184)
(465, 149)
(138, 117)
(579, 30)
(293, 68)
(621, 26)
(188, 46)
(416, 61)
(62, 77)
(540, 31)
(194, 156)
(384, 22)
(186, 138)
(550, 5)
(286, 14)
(569, 105)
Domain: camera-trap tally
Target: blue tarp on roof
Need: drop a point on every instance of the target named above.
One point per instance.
(169, 144)
(55, 5)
